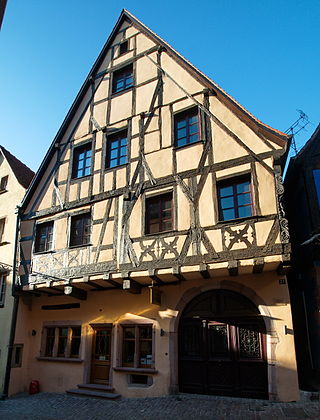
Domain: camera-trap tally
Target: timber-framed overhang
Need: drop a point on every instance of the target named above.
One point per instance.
(148, 276)
(261, 129)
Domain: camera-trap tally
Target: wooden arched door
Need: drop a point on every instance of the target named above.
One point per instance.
(222, 346)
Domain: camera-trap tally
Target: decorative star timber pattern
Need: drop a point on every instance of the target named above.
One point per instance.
(158, 249)
(232, 236)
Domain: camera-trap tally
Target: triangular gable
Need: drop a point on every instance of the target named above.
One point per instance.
(22, 173)
(257, 126)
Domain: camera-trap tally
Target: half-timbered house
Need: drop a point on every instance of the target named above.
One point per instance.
(153, 240)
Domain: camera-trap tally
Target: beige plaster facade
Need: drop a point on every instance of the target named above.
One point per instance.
(107, 280)
(11, 194)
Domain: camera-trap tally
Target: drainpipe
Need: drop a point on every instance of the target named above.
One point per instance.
(14, 312)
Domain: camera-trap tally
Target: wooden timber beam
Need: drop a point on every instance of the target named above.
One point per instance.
(131, 286)
(107, 278)
(177, 274)
(203, 270)
(155, 278)
(283, 268)
(93, 284)
(233, 268)
(258, 265)
(75, 292)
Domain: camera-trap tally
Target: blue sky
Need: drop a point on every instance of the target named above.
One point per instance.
(263, 53)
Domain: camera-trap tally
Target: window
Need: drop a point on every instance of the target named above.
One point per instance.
(62, 341)
(159, 216)
(3, 183)
(2, 288)
(235, 199)
(44, 237)
(2, 223)
(123, 48)
(122, 79)
(117, 149)
(316, 178)
(16, 360)
(82, 161)
(137, 346)
(186, 127)
(80, 229)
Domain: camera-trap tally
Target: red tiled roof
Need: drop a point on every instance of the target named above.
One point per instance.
(23, 174)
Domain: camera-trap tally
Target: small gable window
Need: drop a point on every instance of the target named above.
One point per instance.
(159, 213)
(82, 161)
(186, 127)
(122, 79)
(235, 199)
(117, 149)
(123, 47)
(3, 183)
(80, 229)
(44, 237)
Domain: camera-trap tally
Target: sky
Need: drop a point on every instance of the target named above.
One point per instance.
(264, 53)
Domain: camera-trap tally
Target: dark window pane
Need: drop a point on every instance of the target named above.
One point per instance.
(244, 199)
(50, 341)
(146, 332)
(159, 213)
(123, 79)
(187, 129)
(235, 200)
(129, 332)
(80, 230)
(228, 214)
(218, 340)
(245, 211)
(244, 187)
(123, 47)
(226, 191)
(146, 353)
(118, 150)
(128, 352)
(44, 236)
(227, 203)
(316, 177)
(62, 343)
(75, 341)
(82, 161)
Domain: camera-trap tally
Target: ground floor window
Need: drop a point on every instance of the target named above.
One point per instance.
(137, 346)
(16, 360)
(61, 341)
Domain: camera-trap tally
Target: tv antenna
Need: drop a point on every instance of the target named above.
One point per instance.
(299, 125)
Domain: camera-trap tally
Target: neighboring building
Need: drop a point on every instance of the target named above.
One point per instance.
(159, 244)
(14, 180)
(303, 206)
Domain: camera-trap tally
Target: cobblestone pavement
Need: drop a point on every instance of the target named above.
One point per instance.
(52, 406)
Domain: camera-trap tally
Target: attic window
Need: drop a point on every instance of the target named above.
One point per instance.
(122, 79)
(186, 127)
(123, 48)
(82, 161)
(3, 183)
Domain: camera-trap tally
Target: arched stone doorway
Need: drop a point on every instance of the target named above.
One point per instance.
(222, 346)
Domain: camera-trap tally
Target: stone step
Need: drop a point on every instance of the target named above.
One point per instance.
(98, 387)
(93, 394)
